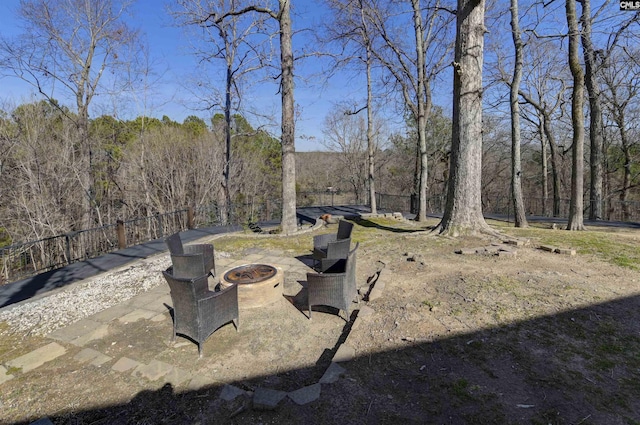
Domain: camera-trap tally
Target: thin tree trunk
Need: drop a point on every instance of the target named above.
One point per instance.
(596, 125)
(576, 220)
(516, 166)
(545, 170)
(422, 113)
(370, 142)
(226, 195)
(289, 223)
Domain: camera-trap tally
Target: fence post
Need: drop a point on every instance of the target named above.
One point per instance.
(67, 247)
(160, 233)
(122, 237)
(190, 218)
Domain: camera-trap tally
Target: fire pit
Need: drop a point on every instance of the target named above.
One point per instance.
(258, 284)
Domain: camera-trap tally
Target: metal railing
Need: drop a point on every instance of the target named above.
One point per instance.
(26, 259)
(34, 257)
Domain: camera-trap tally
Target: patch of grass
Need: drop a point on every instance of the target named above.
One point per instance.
(601, 242)
(460, 389)
(602, 364)
(430, 304)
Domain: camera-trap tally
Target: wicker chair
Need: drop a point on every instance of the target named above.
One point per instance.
(334, 252)
(321, 242)
(199, 312)
(337, 286)
(183, 256)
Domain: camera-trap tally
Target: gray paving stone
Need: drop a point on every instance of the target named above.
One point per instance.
(305, 395)
(345, 353)
(177, 377)
(136, 315)
(366, 312)
(75, 330)
(161, 304)
(111, 313)
(101, 332)
(333, 372)
(144, 299)
(159, 317)
(267, 399)
(289, 261)
(4, 376)
(125, 364)
(254, 258)
(199, 382)
(152, 371)
(229, 392)
(38, 357)
(378, 287)
(91, 356)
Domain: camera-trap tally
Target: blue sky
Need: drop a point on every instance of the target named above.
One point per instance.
(167, 49)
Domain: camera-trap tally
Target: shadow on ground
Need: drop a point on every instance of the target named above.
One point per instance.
(367, 223)
(577, 366)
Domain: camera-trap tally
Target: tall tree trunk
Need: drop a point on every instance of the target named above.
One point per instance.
(576, 220)
(225, 199)
(596, 125)
(625, 145)
(555, 164)
(422, 113)
(371, 148)
(463, 210)
(516, 166)
(289, 222)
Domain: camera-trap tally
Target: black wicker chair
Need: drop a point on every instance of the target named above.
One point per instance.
(336, 287)
(321, 242)
(183, 256)
(199, 312)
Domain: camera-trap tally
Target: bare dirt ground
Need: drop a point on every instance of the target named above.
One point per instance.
(539, 338)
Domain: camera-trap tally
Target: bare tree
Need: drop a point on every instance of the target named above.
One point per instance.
(576, 220)
(414, 73)
(463, 210)
(352, 26)
(234, 41)
(283, 17)
(68, 46)
(596, 125)
(621, 76)
(516, 164)
(346, 134)
(544, 89)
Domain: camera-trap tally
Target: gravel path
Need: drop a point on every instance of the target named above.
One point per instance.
(61, 308)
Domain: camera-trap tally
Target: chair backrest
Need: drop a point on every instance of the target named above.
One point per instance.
(184, 295)
(187, 266)
(344, 229)
(174, 243)
(339, 248)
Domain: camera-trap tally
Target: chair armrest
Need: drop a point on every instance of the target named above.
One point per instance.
(220, 303)
(321, 241)
(333, 265)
